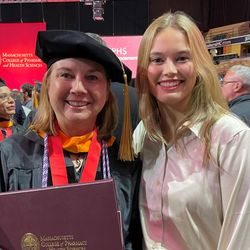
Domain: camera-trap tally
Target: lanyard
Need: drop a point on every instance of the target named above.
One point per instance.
(57, 163)
(6, 131)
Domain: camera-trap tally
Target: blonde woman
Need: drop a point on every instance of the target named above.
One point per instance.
(76, 116)
(194, 191)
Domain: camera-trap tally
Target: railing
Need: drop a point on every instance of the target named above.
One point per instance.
(228, 31)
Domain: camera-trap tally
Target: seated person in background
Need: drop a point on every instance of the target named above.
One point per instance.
(77, 115)
(7, 111)
(236, 89)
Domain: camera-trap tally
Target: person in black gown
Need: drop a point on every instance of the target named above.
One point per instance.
(8, 125)
(77, 112)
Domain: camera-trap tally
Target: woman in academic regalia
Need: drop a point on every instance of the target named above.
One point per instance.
(76, 115)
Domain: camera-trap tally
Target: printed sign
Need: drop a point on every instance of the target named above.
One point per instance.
(126, 48)
(18, 62)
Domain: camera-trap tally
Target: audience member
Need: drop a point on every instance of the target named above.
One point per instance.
(26, 89)
(7, 111)
(35, 102)
(19, 115)
(236, 89)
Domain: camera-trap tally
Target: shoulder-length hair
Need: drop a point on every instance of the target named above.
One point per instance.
(207, 103)
(45, 118)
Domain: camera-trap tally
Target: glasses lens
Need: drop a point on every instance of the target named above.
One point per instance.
(5, 96)
(13, 96)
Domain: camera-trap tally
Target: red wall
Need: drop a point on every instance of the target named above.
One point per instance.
(18, 63)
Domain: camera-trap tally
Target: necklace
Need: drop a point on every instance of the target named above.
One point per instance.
(77, 161)
(46, 164)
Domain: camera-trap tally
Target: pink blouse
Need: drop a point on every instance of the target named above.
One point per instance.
(184, 205)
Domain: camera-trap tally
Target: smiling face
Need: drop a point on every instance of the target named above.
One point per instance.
(7, 103)
(171, 71)
(78, 90)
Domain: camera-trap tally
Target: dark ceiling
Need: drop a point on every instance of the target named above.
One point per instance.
(125, 17)
(207, 13)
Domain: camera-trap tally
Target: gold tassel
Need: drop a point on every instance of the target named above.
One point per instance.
(126, 152)
(35, 98)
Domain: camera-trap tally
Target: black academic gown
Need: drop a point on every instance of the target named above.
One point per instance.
(16, 129)
(21, 161)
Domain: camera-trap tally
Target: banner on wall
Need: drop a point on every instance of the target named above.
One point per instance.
(126, 48)
(18, 62)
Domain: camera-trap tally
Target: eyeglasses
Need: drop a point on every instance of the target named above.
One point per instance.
(227, 82)
(6, 96)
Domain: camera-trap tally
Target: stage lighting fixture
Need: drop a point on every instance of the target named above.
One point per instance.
(87, 2)
(98, 10)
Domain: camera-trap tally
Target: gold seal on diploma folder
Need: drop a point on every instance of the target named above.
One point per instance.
(30, 242)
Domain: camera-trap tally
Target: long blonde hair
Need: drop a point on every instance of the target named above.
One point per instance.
(207, 103)
(44, 119)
